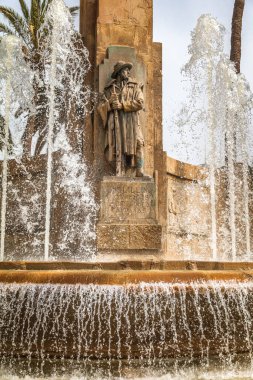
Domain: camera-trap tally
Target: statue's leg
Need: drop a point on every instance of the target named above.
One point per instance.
(139, 159)
(123, 165)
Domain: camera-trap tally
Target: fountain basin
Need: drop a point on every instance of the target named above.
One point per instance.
(125, 310)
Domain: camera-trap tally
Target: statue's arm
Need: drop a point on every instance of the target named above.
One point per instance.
(135, 104)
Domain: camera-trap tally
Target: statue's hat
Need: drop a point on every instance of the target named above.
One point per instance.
(119, 66)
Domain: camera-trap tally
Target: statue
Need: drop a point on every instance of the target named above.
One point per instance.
(119, 109)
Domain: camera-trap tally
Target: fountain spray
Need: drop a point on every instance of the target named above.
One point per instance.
(51, 122)
(225, 110)
(66, 63)
(205, 50)
(9, 62)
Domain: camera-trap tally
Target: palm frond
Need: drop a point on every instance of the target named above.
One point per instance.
(5, 29)
(45, 5)
(25, 9)
(16, 21)
(34, 21)
(35, 13)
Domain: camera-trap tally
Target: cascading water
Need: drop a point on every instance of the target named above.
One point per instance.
(104, 329)
(242, 141)
(9, 63)
(222, 100)
(55, 209)
(66, 60)
(56, 31)
(15, 92)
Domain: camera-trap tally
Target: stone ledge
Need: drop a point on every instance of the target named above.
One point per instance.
(185, 171)
(130, 237)
(127, 179)
(120, 277)
(131, 264)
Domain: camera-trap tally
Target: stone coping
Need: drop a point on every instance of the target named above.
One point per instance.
(123, 277)
(184, 170)
(129, 265)
(127, 179)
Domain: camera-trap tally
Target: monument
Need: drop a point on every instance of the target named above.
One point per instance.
(128, 220)
(116, 35)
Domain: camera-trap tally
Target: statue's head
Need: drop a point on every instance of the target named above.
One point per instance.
(122, 69)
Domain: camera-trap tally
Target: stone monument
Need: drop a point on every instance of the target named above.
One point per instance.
(139, 214)
(128, 215)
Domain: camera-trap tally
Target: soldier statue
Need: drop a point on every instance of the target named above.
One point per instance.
(119, 109)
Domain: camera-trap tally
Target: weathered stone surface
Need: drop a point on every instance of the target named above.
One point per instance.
(242, 268)
(145, 236)
(112, 236)
(128, 215)
(129, 237)
(128, 200)
(188, 231)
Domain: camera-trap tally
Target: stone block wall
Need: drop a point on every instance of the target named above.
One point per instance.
(187, 231)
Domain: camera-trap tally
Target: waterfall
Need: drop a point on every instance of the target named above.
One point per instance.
(147, 321)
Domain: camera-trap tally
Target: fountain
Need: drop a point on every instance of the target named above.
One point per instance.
(140, 289)
(213, 77)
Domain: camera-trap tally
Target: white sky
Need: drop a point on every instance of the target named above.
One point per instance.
(173, 22)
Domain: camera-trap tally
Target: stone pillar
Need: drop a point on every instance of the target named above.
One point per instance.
(114, 31)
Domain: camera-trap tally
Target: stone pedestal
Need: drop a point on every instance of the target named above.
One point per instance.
(128, 215)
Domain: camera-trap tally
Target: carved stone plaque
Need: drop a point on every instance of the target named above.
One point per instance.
(128, 200)
(128, 215)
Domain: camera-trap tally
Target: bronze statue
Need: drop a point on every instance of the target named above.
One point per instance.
(119, 110)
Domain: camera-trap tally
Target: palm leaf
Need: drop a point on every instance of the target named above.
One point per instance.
(16, 21)
(35, 13)
(35, 21)
(24, 9)
(44, 8)
(5, 29)
(43, 5)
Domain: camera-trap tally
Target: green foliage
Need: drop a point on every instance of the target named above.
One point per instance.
(27, 25)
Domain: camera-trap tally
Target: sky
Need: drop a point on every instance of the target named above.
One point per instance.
(173, 22)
